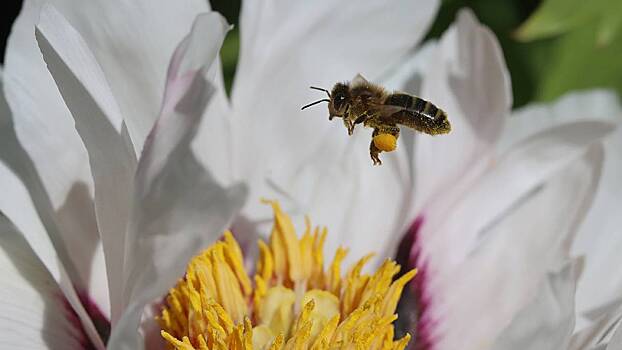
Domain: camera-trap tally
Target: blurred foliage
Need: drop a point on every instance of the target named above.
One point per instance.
(551, 47)
(229, 56)
(231, 46)
(586, 44)
(556, 17)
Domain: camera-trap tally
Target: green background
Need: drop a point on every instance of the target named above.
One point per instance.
(551, 47)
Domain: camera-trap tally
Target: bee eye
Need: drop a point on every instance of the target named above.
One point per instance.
(339, 100)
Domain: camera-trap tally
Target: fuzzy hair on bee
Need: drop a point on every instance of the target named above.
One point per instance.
(362, 102)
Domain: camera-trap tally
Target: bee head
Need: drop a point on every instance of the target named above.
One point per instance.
(339, 100)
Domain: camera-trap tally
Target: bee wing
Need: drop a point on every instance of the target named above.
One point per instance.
(396, 113)
(388, 110)
(359, 80)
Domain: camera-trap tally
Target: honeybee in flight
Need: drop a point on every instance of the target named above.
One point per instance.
(362, 102)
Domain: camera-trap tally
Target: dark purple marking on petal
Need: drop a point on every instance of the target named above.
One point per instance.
(413, 309)
(100, 321)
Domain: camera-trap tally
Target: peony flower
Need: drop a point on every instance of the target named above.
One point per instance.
(83, 85)
(478, 251)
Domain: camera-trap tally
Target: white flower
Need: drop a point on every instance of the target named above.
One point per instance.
(484, 247)
(153, 206)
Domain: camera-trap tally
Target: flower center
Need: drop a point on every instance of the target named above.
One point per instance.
(294, 303)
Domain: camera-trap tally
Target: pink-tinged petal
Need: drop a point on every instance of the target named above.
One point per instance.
(45, 151)
(33, 314)
(37, 262)
(547, 322)
(26, 202)
(284, 49)
(102, 129)
(178, 208)
(80, 234)
(212, 145)
(38, 144)
(468, 79)
(502, 271)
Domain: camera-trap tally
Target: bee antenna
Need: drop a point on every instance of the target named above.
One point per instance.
(321, 89)
(314, 103)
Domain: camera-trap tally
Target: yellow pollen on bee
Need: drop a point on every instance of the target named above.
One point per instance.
(385, 142)
(294, 302)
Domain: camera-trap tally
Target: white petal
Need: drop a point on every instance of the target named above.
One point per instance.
(469, 80)
(361, 205)
(600, 235)
(600, 329)
(42, 122)
(519, 173)
(510, 253)
(408, 75)
(547, 322)
(99, 122)
(45, 150)
(33, 313)
(287, 46)
(616, 341)
(133, 42)
(574, 106)
(213, 143)
(178, 207)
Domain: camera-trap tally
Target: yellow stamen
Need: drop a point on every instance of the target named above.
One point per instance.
(292, 304)
(385, 142)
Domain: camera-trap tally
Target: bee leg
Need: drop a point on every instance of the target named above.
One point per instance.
(374, 152)
(349, 125)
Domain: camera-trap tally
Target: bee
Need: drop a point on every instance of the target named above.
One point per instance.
(362, 102)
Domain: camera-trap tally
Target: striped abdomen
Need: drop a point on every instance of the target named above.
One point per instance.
(419, 114)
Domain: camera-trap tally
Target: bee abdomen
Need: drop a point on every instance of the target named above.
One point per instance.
(400, 100)
(419, 114)
(415, 104)
(427, 108)
(424, 124)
